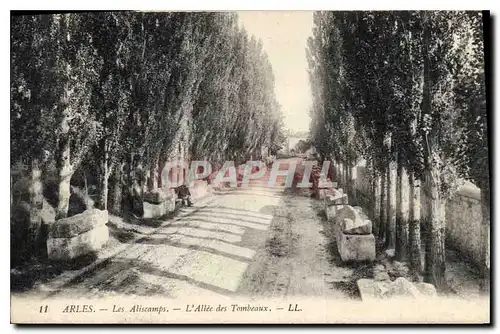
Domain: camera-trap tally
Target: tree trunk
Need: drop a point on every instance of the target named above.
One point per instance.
(153, 176)
(399, 198)
(333, 171)
(390, 241)
(130, 181)
(435, 238)
(338, 174)
(347, 187)
(86, 189)
(104, 178)
(161, 165)
(63, 162)
(137, 186)
(65, 172)
(144, 180)
(115, 200)
(376, 203)
(383, 207)
(352, 185)
(414, 228)
(34, 240)
(103, 198)
(485, 237)
(345, 177)
(402, 214)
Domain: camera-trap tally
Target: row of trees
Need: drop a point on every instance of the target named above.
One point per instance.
(406, 92)
(118, 94)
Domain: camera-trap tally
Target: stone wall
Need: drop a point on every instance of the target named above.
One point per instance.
(463, 215)
(463, 222)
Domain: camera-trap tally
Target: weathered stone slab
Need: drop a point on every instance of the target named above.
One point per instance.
(78, 224)
(157, 196)
(357, 226)
(426, 289)
(346, 211)
(64, 249)
(382, 276)
(356, 247)
(370, 289)
(331, 211)
(382, 289)
(366, 289)
(151, 210)
(402, 288)
(343, 212)
(323, 193)
(333, 203)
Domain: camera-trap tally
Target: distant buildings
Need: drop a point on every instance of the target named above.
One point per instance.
(292, 139)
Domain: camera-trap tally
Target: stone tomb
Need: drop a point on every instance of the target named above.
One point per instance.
(333, 203)
(78, 235)
(353, 231)
(322, 193)
(158, 203)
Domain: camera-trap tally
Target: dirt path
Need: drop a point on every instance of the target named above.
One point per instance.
(296, 260)
(255, 241)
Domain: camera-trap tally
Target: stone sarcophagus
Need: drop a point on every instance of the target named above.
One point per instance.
(78, 235)
(158, 203)
(353, 231)
(334, 202)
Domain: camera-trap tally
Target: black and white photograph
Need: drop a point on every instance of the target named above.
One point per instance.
(285, 167)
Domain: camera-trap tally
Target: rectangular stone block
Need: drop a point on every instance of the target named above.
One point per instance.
(78, 224)
(356, 248)
(346, 211)
(151, 210)
(333, 203)
(157, 196)
(331, 211)
(366, 287)
(63, 249)
(356, 227)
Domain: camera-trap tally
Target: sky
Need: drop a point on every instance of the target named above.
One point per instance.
(284, 37)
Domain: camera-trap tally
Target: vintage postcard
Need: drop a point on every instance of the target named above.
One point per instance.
(324, 167)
